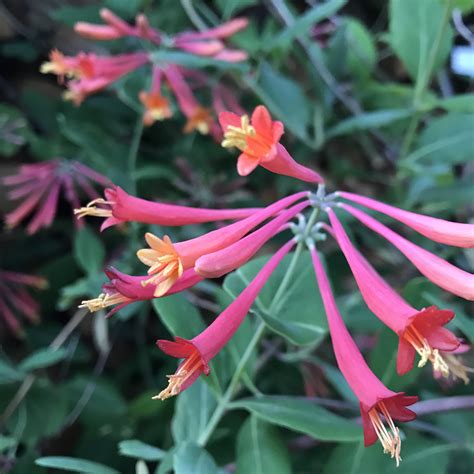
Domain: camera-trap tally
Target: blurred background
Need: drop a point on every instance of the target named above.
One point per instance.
(375, 95)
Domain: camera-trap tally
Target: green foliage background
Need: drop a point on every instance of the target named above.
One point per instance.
(374, 106)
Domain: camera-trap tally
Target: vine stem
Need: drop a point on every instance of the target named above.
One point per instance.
(223, 402)
(30, 379)
(229, 393)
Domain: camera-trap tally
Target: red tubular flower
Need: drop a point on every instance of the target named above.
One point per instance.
(124, 289)
(199, 118)
(439, 271)
(39, 186)
(119, 207)
(223, 261)
(258, 140)
(375, 399)
(167, 261)
(156, 106)
(91, 72)
(439, 230)
(208, 42)
(15, 299)
(421, 331)
(199, 351)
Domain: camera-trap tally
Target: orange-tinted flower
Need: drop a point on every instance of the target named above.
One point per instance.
(200, 120)
(156, 106)
(255, 138)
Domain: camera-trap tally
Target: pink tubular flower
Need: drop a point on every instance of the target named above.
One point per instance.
(375, 399)
(223, 261)
(439, 271)
(124, 289)
(91, 72)
(208, 42)
(39, 186)
(199, 118)
(199, 351)
(258, 140)
(421, 331)
(156, 106)
(119, 207)
(167, 261)
(15, 299)
(439, 230)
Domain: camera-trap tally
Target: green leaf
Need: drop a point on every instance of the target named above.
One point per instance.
(14, 130)
(466, 6)
(193, 409)
(74, 465)
(8, 373)
(7, 442)
(126, 9)
(284, 97)
(229, 7)
(446, 139)
(42, 358)
(89, 251)
(463, 103)
(361, 49)
(302, 415)
(179, 316)
(260, 449)
(192, 459)
(367, 121)
(303, 23)
(193, 61)
(138, 449)
(418, 455)
(416, 28)
(301, 325)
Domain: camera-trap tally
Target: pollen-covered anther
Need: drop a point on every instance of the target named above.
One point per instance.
(102, 301)
(184, 372)
(426, 352)
(92, 210)
(456, 367)
(390, 438)
(237, 136)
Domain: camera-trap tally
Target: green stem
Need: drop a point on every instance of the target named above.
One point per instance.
(223, 402)
(231, 389)
(188, 7)
(133, 153)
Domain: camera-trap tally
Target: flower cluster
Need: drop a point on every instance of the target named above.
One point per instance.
(88, 73)
(176, 266)
(39, 186)
(14, 298)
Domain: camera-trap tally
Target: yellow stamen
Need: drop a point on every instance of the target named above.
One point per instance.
(103, 301)
(456, 367)
(426, 352)
(390, 438)
(92, 210)
(237, 136)
(186, 370)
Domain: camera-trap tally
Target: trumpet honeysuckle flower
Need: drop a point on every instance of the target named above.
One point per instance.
(379, 406)
(198, 352)
(201, 43)
(455, 363)
(90, 72)
(199, 118)
(40, 185)
(439, 230)
(224, 261)
(15, 300)
(118, 207)
(156, 106)
(124, 289)
(167, 261)
(258, 139)
(419, 331)
(439, 271)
